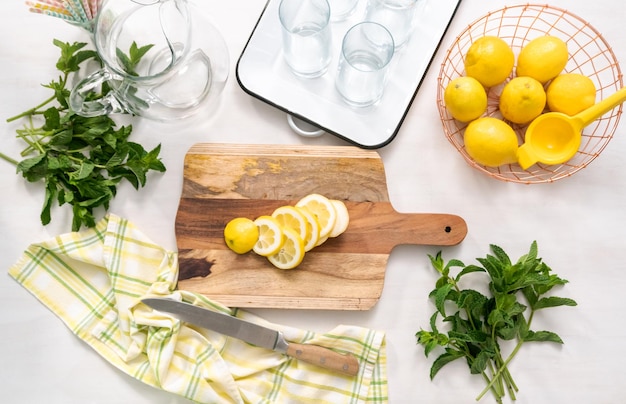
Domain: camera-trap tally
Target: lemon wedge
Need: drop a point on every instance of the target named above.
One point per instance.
(271, 236)
(291, 253)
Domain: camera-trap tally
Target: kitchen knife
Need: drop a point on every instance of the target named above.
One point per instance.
(256, 335)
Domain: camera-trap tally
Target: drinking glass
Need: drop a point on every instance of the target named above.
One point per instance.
(395, 15)
(366, 51)
(306, 36)
(341, 9)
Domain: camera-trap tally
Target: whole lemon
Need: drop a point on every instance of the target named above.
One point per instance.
(522, 100)
(571, 93)
(465, 98)
(543, 58)
(491, 142)
(241, 234)
(489, 60)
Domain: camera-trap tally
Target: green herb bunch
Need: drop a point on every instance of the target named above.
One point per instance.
(477, 323)
(81, 160)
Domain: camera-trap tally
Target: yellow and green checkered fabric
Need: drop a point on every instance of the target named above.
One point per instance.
(94, 280)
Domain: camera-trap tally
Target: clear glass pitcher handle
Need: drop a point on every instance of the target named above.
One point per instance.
(102, 106)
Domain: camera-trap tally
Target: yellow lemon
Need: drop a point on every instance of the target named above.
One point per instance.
(491, 142)
(465, 98)
(543, 58)
(324, 211)
(489, 60)
(571, 93)
(291, 253)
(241, 234)
(271, 236)
(522, 100)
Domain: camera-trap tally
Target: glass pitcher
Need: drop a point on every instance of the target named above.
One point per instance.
(162, 60)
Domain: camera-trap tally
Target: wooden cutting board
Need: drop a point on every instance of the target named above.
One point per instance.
(223, 181)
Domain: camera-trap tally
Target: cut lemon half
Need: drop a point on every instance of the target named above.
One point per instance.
(271, 236)
(291, 253)
(323, 210)
(312, 229)
(343, 218)
(290, 216)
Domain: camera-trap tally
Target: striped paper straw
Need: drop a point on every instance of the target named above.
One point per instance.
(85, 6)
(94, 6)
(75, 11)
(46, 8)
(54, 3)
(51, 13)
(78, 5)
(69, 7)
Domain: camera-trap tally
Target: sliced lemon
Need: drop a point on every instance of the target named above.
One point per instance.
(290, 216)
(323, 210)
(343, 218)
(321, 241)
(312, 229)
(271, 236)
(291, 253)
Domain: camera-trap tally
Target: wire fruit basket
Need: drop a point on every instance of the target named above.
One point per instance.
(589, 54)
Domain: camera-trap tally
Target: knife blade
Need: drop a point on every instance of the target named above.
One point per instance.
(256, 335)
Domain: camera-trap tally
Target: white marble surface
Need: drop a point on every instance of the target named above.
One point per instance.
(578, 223)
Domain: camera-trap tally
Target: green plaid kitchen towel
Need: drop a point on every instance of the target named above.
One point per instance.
(94, 280)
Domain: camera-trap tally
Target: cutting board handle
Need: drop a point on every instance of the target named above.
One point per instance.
(431, 229)
(389, 228)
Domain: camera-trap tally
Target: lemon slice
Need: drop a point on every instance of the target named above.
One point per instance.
(323, 210)
(321, 241)
(343, 218)
(291, 253)
(312, 229)
(270, 236)
(290, 216)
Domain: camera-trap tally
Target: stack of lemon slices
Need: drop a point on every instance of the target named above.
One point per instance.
(290, 231)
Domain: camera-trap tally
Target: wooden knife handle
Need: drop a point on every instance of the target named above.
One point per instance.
(324, 357)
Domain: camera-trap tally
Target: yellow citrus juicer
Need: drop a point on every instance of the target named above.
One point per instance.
(554, 137)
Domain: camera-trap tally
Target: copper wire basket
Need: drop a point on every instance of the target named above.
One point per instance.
(589, 54)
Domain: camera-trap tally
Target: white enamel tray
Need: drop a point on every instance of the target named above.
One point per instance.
(262, 72)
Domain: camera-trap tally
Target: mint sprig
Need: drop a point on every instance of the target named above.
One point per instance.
(478, 322)
(80, 160)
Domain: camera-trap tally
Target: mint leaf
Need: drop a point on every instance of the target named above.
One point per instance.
(449, 356)
(553, 301)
